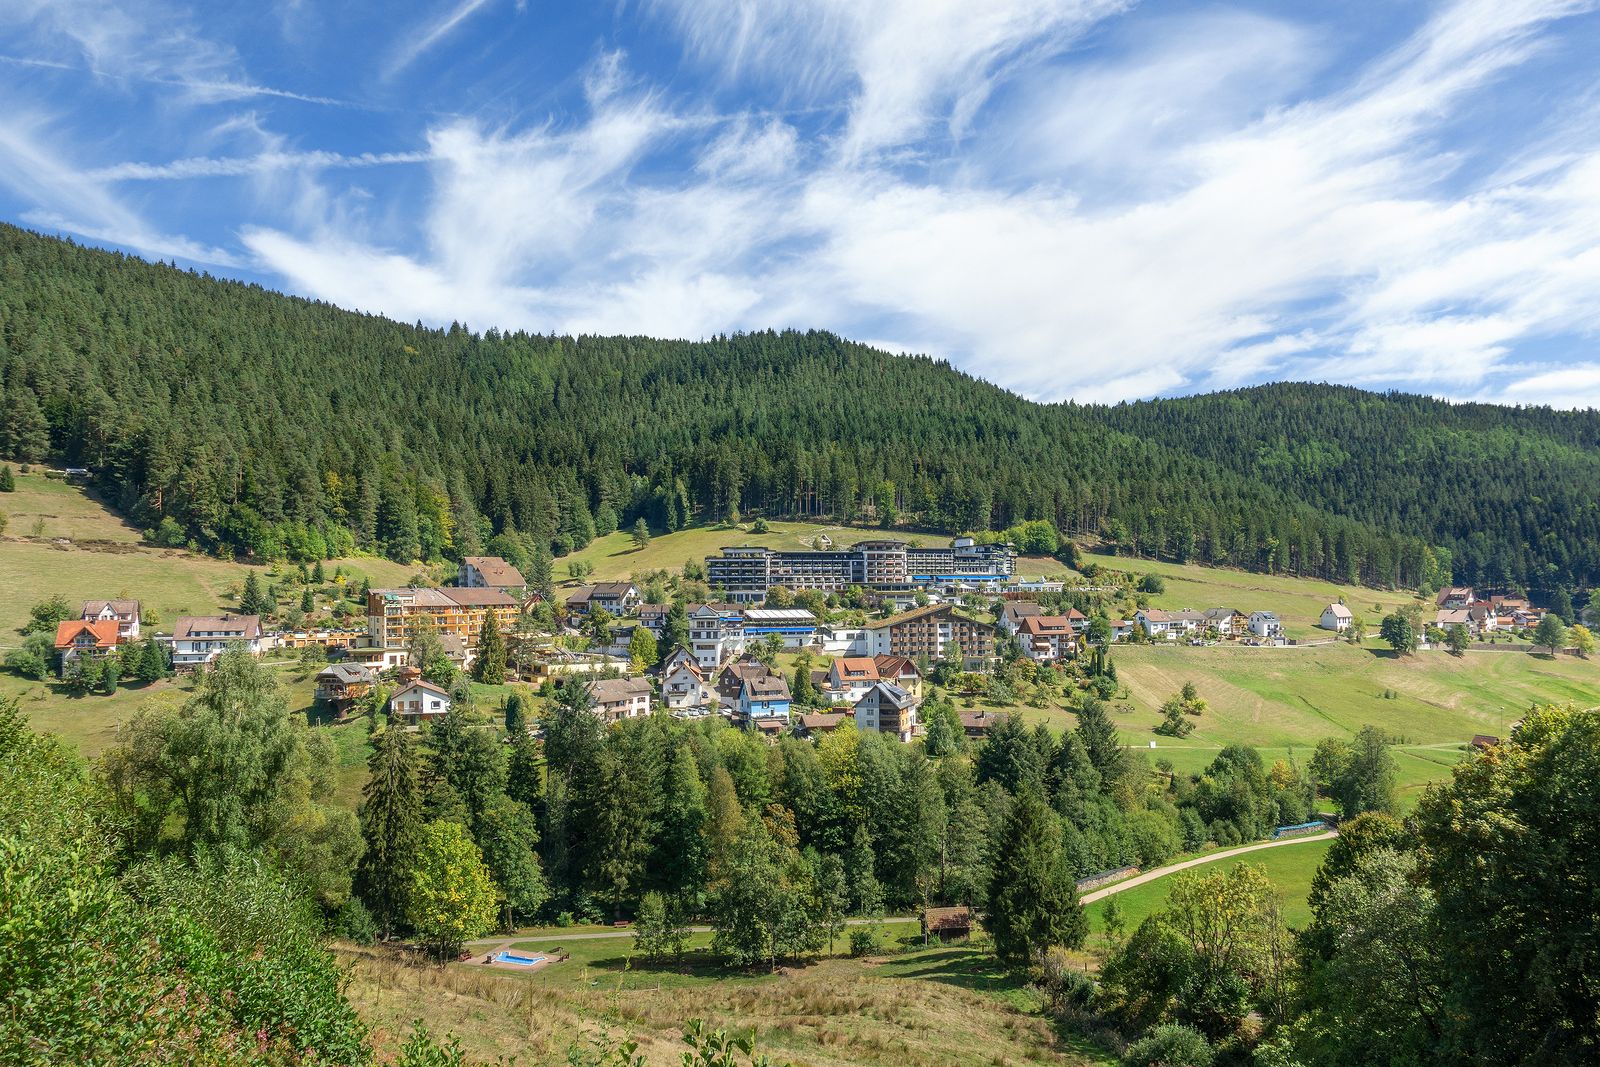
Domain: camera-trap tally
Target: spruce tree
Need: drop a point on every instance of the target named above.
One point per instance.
(516, 715)
(251, 601)
(1032, 900)
(391, 818)
(1099, 736)
(866, 895)
(681, 847)
(490, 666)
(8, 481)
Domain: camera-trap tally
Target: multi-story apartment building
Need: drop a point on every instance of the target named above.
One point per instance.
(394, 614)
(747, 572)
(888, 709)
(936, 632)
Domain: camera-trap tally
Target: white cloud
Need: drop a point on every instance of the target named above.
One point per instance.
(419, 39)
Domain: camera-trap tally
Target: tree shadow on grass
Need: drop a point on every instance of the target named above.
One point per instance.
(963, 967)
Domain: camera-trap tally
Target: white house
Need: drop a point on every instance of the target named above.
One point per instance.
(125, 612)
(419, 701)
(1227, 622)
(1013, 612)
(1456, 596)
(199, 639)
(684, 685)
(844, 640)
(1047, 638)
(1265, 624)
(795, 627)
(1170, 625)
(621, 698)
(1336, 617)
(490, 572)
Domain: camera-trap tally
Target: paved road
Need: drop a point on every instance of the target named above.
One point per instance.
(1161, 872)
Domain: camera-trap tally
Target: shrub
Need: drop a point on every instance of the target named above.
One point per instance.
(863, 941)
(1169, 1045)
(354, 922)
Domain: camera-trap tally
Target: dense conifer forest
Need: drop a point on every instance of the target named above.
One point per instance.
(235, 418)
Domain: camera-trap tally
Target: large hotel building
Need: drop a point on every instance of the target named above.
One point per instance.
(746, 573)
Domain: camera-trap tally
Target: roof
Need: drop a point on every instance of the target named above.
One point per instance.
(245, 626)
(890, 694)
(765, 687)
(1484, 741)
(741, 669)
(1453, 617)
(918, 614)
(822, 720)
(618, 690)
(349, 673)
(972, 720)
(473, 598)
(419, 687)
(1222, 613)
(936, 919)
(1339, 611)
(895, 667)
(119, 607)
(495, 571)
(1038, 625)
(1020, 609)
(857, 668)
(779, 615)
(104, 633)
(1263, 615)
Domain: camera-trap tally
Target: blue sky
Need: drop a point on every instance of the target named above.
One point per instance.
(1086, 199)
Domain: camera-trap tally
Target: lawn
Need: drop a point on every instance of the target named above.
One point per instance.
(916, 1007)
(1277, 697)
(1289, 868)
(52, 507)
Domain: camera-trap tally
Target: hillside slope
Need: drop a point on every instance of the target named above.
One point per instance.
(238, 417)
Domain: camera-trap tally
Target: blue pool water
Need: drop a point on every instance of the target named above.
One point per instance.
(521, 961)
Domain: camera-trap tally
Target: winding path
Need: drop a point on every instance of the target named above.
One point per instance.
(1162, 872)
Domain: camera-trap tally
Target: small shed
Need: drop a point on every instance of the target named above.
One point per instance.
(947, 924)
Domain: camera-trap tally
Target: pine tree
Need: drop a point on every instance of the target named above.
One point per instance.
(866, 895)
(490, 666)
(1099, 736)
(391, 819)
(1032, 900)
(251, 601)
(641, 534)
(516, 716)
(541, 571)
(8, 481)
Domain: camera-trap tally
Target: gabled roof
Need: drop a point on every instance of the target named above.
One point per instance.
(918, 614)
(234, 627)
(419, 687)
(822, 720)
(856, 668)
(348, 673)
(765, 687)
(1046, 625)
(103, 632)
(496, 571)
(895, 667)
(480, 598)
(890, 695)
(1222, 613)
(118, 607)
(1453, 617)
(618, 690)
(1339, 611)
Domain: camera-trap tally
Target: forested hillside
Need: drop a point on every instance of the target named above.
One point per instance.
(235, 417)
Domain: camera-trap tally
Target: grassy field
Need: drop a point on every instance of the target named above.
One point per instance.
(1289, 868)
(909, 1008)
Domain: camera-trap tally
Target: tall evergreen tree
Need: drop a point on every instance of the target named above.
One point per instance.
(391, 818)
(252, 601)
(1032, 900)
(490, 666)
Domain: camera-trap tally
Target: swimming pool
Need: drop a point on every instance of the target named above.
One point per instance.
(520, 961)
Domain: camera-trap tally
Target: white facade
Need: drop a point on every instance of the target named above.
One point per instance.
(1335, 617)
(716, 635)
(197, 641)
(1265, 624)
(685, 687)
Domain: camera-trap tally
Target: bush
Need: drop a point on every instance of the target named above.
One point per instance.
(863, 941)
(1152, 583)
(1170, 1045)
(354, 922)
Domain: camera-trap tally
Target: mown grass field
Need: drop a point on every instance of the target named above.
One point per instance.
(910, 1007)
(1290, 869)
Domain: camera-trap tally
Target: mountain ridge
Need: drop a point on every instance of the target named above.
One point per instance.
(224, 413)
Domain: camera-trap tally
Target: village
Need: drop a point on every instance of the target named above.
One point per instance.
(867, 631)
